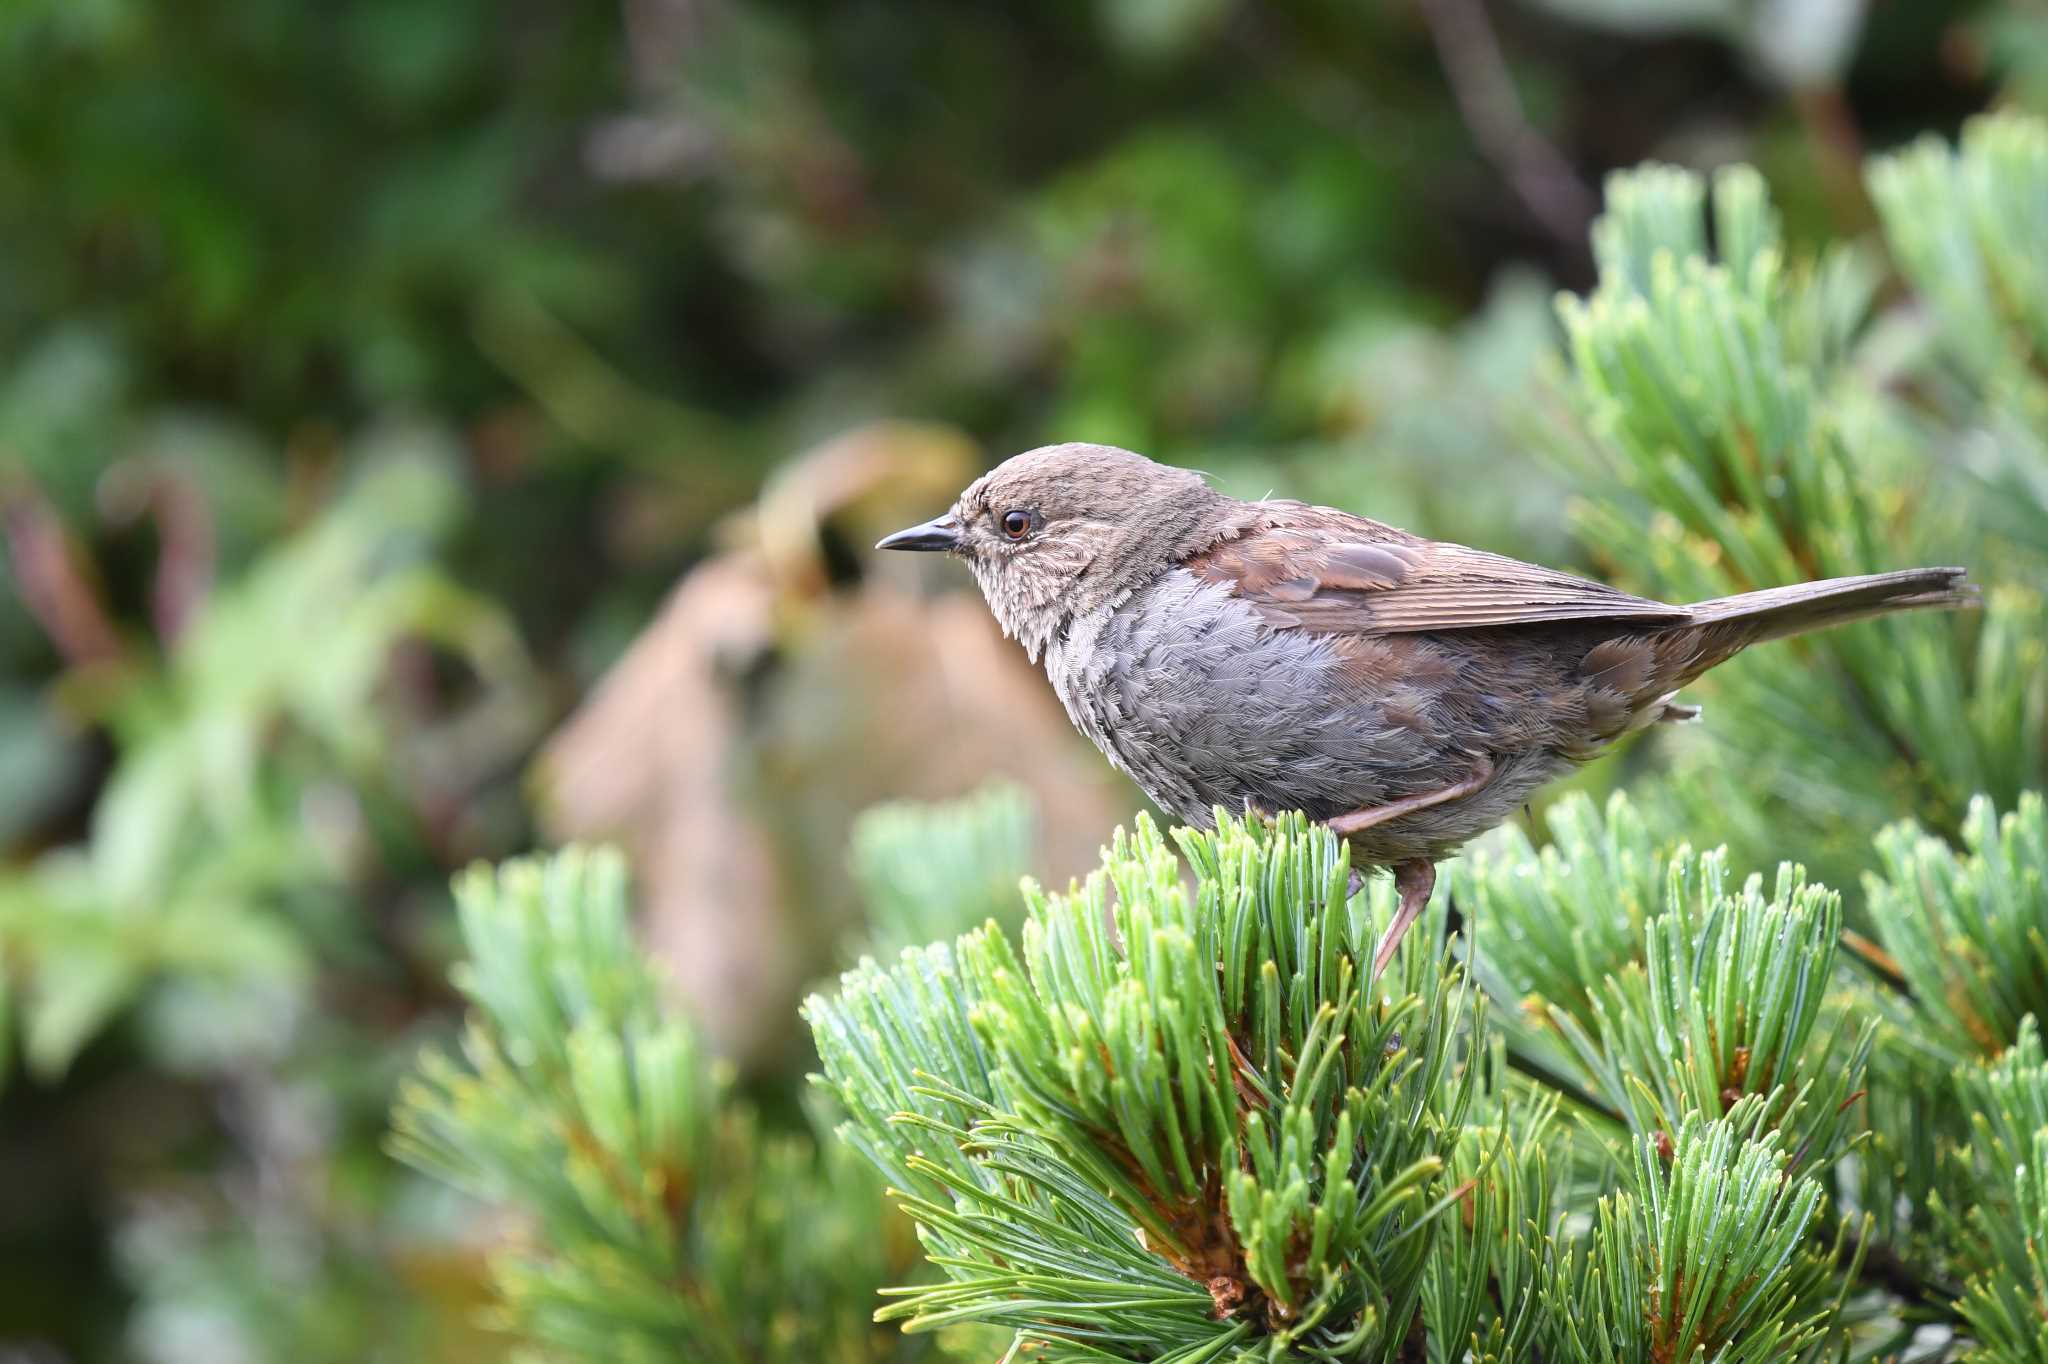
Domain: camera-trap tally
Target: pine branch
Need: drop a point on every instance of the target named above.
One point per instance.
(1998, 1225)
(1484, 1280)
(1639, 974)
(927, 871)
(1727, 1007)
(1199, 1078)
(1174, 1125)
(1703, 1254)
(1966, 226)
(665, 1221)
(1730, 409)
(1966, 928)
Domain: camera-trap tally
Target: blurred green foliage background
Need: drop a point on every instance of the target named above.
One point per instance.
(370, 371)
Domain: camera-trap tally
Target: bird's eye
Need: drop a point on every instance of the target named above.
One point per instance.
(1016, 523)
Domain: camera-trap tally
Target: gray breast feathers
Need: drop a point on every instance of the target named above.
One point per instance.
(1203, 702)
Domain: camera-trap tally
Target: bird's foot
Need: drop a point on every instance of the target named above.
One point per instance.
(1414, 880)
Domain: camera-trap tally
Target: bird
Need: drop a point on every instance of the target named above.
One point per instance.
(1266, 656)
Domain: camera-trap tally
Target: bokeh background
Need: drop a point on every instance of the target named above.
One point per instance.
(431, 429)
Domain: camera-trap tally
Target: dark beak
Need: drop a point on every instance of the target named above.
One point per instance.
(940, 533)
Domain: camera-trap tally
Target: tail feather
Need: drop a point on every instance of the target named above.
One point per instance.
(1777, 612)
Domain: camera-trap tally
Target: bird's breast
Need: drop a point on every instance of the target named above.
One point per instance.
(1202, 702)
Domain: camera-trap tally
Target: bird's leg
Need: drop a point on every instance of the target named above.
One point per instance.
(1414, 880)
(1356, 821)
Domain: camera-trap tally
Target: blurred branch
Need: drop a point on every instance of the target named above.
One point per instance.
(50, 573)
(668, 1220)
(1485, 94)
(659, 37)
(595, 404)
(1837, 144)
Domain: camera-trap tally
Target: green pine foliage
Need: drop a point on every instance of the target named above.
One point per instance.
(1199, 1085)
(1702, 1254)
(1745, 416)
(1964, 926)
(1192, 1091)
(1493, 1259)
(1169, 1120)
(1742, 980)
(1957, 977)
(658, 1218)
(925, 869)
(1999, 1223)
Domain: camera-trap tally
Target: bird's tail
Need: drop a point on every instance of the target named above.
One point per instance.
(1777, 612)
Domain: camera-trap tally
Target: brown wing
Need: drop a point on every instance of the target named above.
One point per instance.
(1330, 572)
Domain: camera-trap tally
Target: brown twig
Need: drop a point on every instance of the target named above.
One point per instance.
(50, 573)
(1837, 144)
(1880, 962)
(1485, 95)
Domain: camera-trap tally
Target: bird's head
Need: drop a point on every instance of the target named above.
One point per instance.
(1065, 529)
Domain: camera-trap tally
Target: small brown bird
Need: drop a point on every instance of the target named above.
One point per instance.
(1271, 656)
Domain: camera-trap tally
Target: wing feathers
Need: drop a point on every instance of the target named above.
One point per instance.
(1329, 572)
